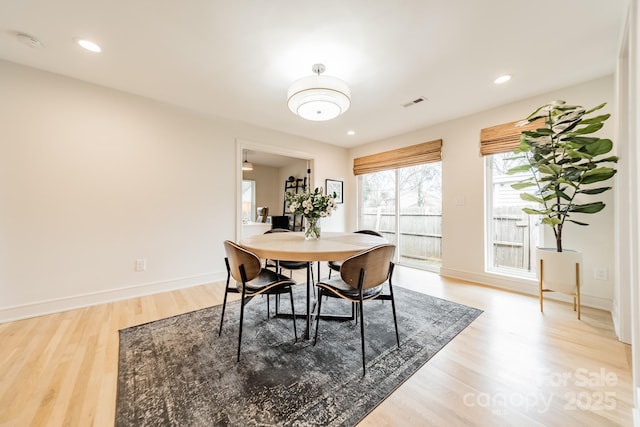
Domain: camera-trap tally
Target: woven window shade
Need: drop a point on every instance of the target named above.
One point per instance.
(419, 154)
(504, 138)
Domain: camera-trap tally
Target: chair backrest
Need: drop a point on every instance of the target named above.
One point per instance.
(263, 212)
(375, 262)
(278, 230)
(280, 221)
(370, 232)
(238, 256)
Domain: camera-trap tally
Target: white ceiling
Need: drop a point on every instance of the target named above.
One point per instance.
(236, 59)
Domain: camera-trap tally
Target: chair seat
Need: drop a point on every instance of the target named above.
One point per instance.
(267, 279)
(342, 289)
(293, 265)
(335, 265)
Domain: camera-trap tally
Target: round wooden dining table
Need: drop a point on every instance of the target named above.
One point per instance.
(293, 246)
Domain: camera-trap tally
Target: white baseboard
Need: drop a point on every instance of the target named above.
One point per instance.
(8, 314)
(522, 285)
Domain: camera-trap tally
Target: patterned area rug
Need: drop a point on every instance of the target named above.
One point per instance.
(179, 372)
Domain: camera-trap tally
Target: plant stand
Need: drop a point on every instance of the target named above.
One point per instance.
(559, 272)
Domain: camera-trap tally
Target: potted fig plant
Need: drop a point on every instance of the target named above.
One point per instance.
(566, 165)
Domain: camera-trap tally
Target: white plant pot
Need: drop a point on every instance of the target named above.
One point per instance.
(559, 272)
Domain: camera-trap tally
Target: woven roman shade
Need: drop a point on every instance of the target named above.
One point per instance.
(504, 138)
(419, 154)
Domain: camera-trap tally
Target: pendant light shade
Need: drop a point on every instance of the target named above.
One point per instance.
(319, 98)
(246, 165)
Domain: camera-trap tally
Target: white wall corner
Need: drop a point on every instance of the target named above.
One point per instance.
(41, 308)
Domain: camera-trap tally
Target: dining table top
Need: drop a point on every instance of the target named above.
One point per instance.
(292, 246)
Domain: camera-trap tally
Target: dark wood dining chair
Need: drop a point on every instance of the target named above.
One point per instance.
(252, 280)
(362, 277)
(335, 265)
(262, 214)
(280, 222)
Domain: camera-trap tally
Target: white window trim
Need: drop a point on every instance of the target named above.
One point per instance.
(489, 232)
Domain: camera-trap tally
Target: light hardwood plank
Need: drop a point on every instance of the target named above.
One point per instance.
(512, 366)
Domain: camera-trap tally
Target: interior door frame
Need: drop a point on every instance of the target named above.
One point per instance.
(243, 144)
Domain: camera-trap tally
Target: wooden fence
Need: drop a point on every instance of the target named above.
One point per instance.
(421, 236)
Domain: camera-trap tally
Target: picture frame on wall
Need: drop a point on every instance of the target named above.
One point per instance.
(335, 186)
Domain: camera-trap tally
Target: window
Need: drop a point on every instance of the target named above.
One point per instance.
(405, 206)
(511, 234)
(248, 200)
(401, 197)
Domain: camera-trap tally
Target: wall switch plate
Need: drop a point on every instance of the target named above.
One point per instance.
(141, 264)
(601, 273)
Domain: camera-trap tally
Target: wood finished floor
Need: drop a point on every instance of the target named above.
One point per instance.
(511, 366)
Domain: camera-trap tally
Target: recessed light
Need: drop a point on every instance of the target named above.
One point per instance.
(502, 79)
(351, 132)
(89, 45)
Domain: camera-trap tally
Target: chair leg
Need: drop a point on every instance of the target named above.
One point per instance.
(578, 288)
(315, 339)
(364, 367)
(268, 309)
(293, 314)
(540, 285)
(242, 303)
(224, 306)
(393, 308)
(226, 292)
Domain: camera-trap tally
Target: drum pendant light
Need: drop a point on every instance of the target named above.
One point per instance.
(319, 98)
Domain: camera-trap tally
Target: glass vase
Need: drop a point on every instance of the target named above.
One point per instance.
(312, 229)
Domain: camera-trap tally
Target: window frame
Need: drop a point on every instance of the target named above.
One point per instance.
(397, 215)
(489, 230)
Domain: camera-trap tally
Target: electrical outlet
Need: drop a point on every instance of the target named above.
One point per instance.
(601, 273)
(141, 264)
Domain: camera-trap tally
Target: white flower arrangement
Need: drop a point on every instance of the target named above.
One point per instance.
(312, 205)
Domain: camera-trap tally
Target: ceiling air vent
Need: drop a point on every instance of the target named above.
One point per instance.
(414, 102)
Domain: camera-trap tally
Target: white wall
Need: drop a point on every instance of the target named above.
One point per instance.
(92, 179)
(463, 177)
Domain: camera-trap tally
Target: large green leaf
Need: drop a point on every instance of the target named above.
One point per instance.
(519, 169)
(594, 190)
(596, 108)
(582, 140)
(551, 221)
(543, 131)
(603, 146)
(597, 119)
(531, 198)
(531, 211)
(579, 155)
(550, 169)
(611, 159)
(588, 129)
(522, 184)
(597, 175)
(578, 222)
(588, 208)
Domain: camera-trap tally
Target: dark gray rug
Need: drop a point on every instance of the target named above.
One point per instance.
(178, 372)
